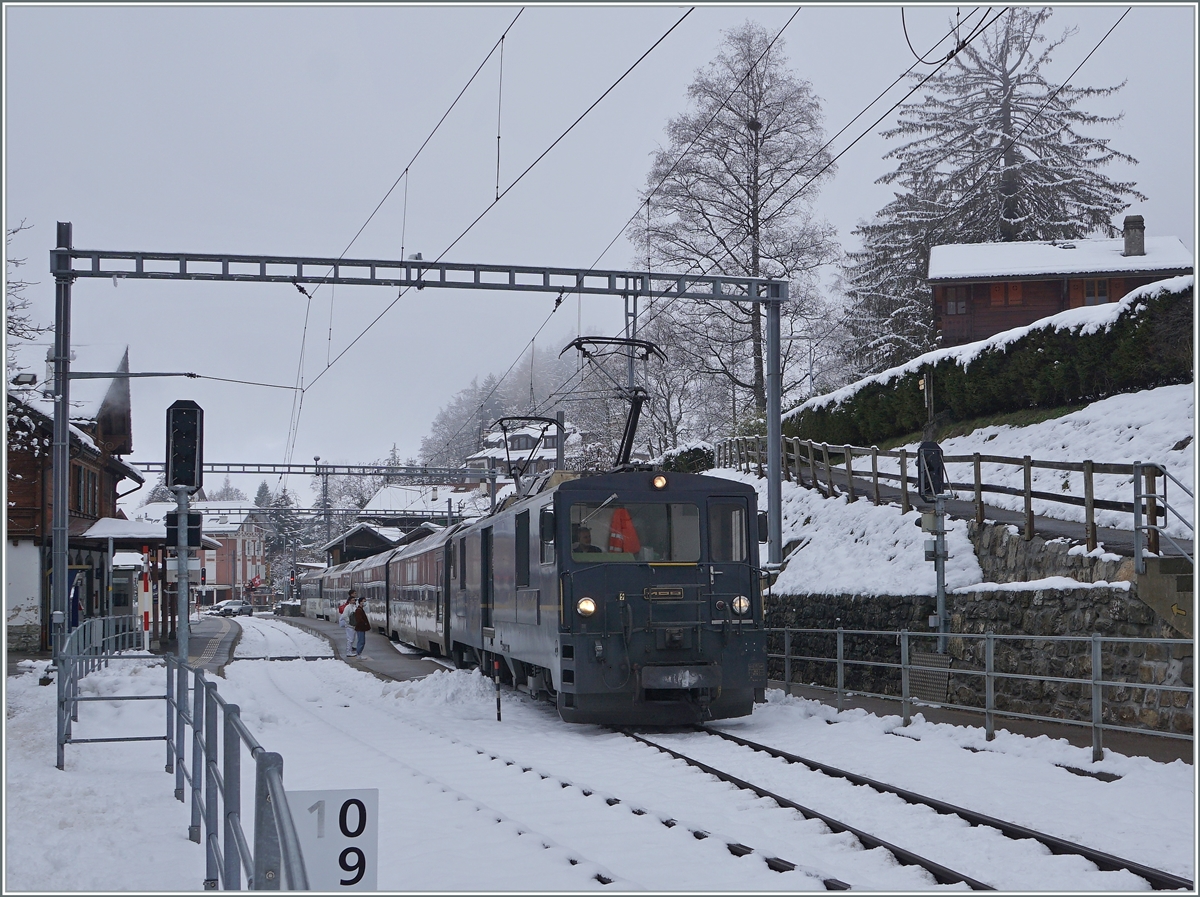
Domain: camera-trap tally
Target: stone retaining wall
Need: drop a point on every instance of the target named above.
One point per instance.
(1035, 612)
(1005, 556)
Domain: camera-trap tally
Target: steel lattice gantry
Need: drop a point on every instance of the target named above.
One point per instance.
(68, 263)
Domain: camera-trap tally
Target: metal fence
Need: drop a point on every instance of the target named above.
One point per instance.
(93, 644)
(218, 736)
(897, 675)
(817, 460)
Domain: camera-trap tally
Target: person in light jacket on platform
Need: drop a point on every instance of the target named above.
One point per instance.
(346, 621)
(362, 626)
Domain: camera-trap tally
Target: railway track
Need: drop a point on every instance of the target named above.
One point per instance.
(1158, 879)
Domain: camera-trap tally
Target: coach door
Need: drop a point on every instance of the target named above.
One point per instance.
(445, 582)
(487, 596)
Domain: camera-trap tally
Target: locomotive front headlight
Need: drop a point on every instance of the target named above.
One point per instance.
(585, 607)
(741, 605)
(659, 482)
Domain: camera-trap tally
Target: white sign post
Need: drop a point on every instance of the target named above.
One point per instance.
(339, 835)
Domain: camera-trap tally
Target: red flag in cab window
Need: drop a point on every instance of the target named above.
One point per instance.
(621, 534)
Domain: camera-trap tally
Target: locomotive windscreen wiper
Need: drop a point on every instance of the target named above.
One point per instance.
(597, 511)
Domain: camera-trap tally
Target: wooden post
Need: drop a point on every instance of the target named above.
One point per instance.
(1028, 498)
(978, 491)
(905, 507)
(1151, 509)
(828, 469)
(796, 456)
(758, 453)
(783, 453)
(849, 472)
(812, 465)
(1089, 506)
(875, 471)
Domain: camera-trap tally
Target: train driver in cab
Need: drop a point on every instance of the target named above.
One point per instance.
(583, 541)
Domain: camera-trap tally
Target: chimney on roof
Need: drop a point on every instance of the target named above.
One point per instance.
(1135, 235)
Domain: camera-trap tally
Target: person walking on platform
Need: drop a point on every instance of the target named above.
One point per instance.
(362, 626)
(345, 620)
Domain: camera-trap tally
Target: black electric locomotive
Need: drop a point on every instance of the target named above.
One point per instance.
(628, 597)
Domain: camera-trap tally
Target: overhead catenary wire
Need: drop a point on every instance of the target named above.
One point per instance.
(664, 307)
(294, 424)
(492, 205)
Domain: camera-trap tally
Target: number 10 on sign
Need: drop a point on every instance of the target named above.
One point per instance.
(339, 836)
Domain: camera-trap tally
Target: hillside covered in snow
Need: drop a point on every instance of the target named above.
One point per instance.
(844, 547)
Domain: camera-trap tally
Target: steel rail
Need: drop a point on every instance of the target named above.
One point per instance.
(1159, 880)
(942, 874)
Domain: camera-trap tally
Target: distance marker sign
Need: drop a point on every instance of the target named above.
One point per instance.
(339, 835)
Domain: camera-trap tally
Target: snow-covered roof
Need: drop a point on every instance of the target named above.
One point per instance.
(390, 534)
(416, 501)
(220, 517)
(127, 559)
(974, 261)
(119, 528)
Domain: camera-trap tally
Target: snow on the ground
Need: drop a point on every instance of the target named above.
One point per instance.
(845, 547)
(453, 818)
(1142, 426)
(257, 640)
(109, 821)
(856, 547)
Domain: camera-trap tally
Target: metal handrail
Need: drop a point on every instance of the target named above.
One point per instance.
(1096, 680)
(276, 851)
(1152, 529)
(92, 644)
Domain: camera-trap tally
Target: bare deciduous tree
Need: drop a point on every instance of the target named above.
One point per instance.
(732, 194)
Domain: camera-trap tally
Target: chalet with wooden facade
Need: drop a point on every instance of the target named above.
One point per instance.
(100, 433)
(981, 289)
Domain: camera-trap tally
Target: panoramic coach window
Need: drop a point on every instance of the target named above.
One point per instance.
(727, 533)
(640, 531)
(462, 563)
(522, 549)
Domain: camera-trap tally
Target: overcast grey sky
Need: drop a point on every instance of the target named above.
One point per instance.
(278, 129)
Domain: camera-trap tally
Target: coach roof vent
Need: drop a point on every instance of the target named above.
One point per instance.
(1135, 235)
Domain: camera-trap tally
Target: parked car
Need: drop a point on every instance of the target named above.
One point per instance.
(236, 608)
(219, 607)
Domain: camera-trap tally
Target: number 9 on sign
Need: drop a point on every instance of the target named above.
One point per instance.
(339, 837)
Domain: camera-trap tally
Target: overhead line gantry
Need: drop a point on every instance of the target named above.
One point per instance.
(68, 263)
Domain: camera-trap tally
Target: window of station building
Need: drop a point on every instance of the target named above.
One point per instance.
(522, 549)
(1095, 292)
(956, 300)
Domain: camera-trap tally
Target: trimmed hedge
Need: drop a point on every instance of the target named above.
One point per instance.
(1148, 345)
(695, 458)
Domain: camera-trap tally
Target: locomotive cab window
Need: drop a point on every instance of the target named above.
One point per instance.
(608, 532)
(728, 535)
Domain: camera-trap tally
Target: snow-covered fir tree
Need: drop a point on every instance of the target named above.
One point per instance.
(993, 152)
